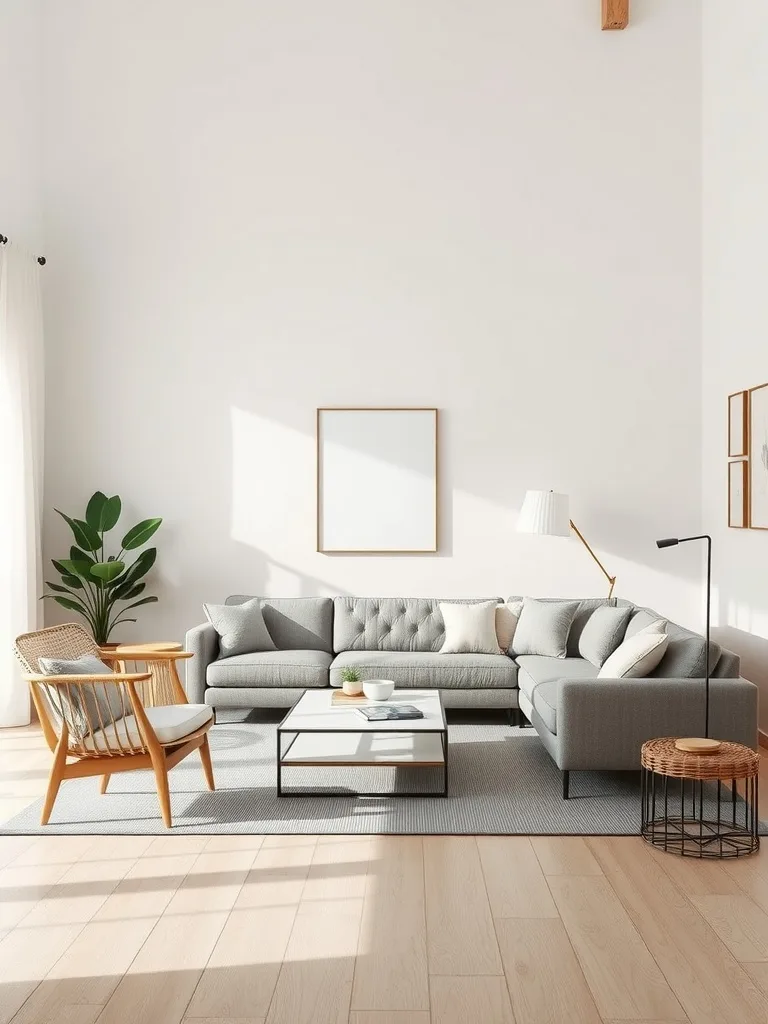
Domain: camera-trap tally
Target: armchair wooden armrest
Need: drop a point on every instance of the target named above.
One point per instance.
(105, 677)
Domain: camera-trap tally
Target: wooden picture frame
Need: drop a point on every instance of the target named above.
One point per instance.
(757, 451)
(738, 424)
(738, 494)
(377, 480)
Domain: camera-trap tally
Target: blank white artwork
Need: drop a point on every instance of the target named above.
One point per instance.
(737, 411)
(758, 457)
(736, 488)
(377, 480)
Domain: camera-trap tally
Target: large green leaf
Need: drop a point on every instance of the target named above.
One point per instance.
(141, 566)
(140, 534)
(73, 581)
(127, 590)
(60, 567)
(59, 589)
(85, 536)
(94, 511)
(73, 568)
(111, 513)
(72, 605)
(107, 571)
(76, 555)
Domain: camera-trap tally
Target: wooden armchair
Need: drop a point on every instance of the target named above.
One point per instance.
(103, 724)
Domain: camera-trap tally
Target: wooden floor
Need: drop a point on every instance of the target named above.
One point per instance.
(369, 930)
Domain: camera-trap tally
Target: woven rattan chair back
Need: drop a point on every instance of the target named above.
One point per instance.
(96, 712)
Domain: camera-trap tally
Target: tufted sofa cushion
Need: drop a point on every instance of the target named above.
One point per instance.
(390, 623)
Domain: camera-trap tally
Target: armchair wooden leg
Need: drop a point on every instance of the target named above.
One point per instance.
(160, 769)
(57, 774)
(205, 757)
(104, 784)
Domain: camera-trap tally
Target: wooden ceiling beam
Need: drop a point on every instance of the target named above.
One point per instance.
(615, 14)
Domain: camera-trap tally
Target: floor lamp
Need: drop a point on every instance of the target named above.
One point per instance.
(699, 745)
(546, 512)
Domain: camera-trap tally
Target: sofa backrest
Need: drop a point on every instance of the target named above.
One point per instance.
(686, 656)
(296, 623)
(390, 623)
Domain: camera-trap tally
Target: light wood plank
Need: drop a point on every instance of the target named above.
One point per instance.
(741, 925)
(751, 875)
(696, 877)
(460, 936)
(565, 855)
(223, 1020)
(544, 978)
(708, 982)
(315, 981)
(243, 969)
(458, 1000)
(26, 956)
(759, 975)
(624, 978)
(13, 846)
(162, 978)
(513, 878)
(391, 970)
(338, 871)
(389, 1017)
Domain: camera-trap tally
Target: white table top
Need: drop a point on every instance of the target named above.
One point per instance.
(314, 711)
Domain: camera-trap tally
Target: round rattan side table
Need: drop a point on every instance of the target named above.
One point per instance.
(690, 802)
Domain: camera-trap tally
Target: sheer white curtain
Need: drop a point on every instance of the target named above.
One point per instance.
(21, 463)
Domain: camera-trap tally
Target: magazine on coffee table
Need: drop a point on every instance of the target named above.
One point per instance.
(391, 713)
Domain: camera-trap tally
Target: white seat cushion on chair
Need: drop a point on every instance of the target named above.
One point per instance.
(171, 723)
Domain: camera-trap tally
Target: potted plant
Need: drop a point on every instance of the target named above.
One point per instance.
(351, 682)
(94, 584)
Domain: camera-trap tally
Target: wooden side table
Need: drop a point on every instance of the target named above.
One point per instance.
(159, 659)
(681, 816)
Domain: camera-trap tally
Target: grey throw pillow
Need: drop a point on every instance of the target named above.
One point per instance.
(241, 628)
(85, 708)
(543, 627)
(602, 634)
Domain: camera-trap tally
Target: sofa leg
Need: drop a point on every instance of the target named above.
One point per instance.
(566, 784)
(514, 716)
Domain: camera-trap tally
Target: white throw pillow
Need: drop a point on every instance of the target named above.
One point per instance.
(636, 657)
(506, 623)
(470, 628)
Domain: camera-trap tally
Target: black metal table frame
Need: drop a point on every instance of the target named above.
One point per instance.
(718, 838)
(295, 733)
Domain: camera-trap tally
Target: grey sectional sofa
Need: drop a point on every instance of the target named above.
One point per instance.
(585, 723)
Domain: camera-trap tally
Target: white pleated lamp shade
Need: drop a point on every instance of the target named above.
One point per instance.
(545, 512)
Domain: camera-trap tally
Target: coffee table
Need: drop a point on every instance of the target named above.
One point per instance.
(316, 735)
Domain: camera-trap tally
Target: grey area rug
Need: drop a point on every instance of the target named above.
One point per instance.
(501, 782)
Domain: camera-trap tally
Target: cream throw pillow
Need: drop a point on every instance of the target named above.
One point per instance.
(506, 623)
(636, 657)
(469, 628)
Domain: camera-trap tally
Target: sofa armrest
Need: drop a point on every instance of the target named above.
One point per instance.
(203, 642)
(602, 723)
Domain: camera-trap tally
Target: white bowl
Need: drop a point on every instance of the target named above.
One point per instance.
(378, 689)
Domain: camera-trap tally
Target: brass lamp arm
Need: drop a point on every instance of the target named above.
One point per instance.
(603, 570)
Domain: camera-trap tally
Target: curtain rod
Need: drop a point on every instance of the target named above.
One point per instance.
(40, 259)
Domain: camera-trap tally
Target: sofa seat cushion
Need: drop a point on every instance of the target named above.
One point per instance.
(545, 702)
(535, 670)
(422, 669)
(271, 668)
(171, 724)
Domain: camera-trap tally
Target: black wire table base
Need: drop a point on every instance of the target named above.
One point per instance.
(673, 816)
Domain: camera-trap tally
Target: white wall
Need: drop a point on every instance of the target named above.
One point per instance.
(735, 269)
(254, 209)
(21, 91)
